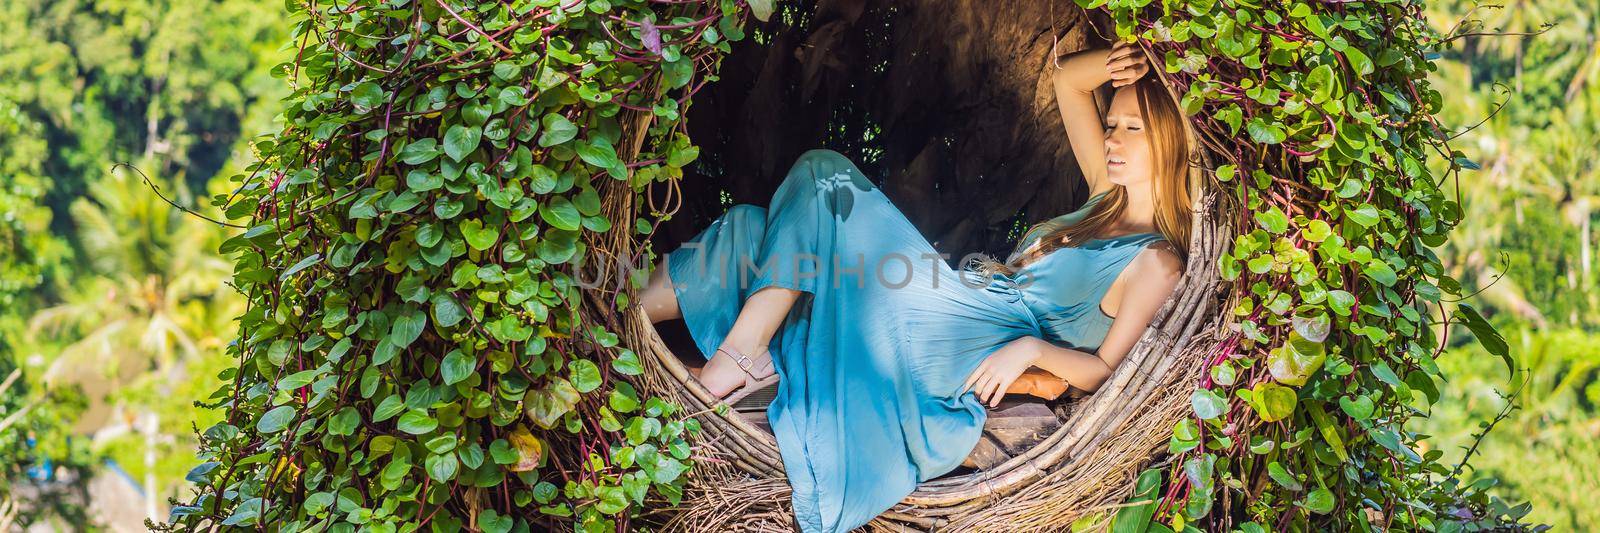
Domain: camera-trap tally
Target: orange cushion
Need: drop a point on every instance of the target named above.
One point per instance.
(1039, 383)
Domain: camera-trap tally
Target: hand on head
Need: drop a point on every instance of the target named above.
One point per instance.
(1126, 63)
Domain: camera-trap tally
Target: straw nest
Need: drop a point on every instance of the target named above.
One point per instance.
(1087, 466)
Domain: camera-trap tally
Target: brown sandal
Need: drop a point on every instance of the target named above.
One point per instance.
(752, 380)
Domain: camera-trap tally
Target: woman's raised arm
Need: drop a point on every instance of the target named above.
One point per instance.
(1075, 81)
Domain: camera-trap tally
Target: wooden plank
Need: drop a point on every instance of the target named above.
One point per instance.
(987, 454)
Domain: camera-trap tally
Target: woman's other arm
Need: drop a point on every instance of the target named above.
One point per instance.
(1157, 270)
(1080, 73)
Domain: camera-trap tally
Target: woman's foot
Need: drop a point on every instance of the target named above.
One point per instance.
(732, 373)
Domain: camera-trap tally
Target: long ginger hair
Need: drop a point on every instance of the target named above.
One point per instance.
(1170, 146)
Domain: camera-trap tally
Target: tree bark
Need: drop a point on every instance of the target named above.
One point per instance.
(946, 103)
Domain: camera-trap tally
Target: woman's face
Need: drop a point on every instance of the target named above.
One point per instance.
(1128, 157)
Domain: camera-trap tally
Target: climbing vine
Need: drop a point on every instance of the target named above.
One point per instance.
(414, 353)
(1322, 115)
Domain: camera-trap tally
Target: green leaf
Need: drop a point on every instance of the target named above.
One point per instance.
(416, 422)
(1320, 83)
(558, 247)
(1361, 408)
(510, 328)
(390, 406)
(627, 363)
(275, 420)
(667, 469)
(1281, 475)
(460, 141)
(475, 114)
(317, 502)
(1273, 220)
(1265, 132)
(612, 499)
(1224, 374)
(678, 72)
(557, 130)
(1359, 61)
(503, 454)
(761, 9)
(1207, 404)
(478, 236)
(1319, 501)
(345, 421)
(1185, 436)
(1341, 301)
(1332, 433)
(421, 181)
(1365, 215)
(600, 153)
(278, 352)
(1317, 231)
(446, 312)
(384, 351)
(1273, 402)
(407, 328)
(545, 406)
(1136, 518)
(297, 380)
(1293, 363)
(456, 367)
(301, 265)
(339, 349)
(682, 153)
(1384, 373)
(1313, 328)
(561, 214)
(441, 467)
(585, 375)
(623, 398)
(366, 96)
(542, 179)
(420, 151)
(1389, 439)
(1487, 335)
(1226, 172)
(493, 522)
(395, 473)
(1380, 272)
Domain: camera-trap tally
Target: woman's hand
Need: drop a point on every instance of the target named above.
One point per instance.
(1084, 70)
(1126, 64)
(995, 374)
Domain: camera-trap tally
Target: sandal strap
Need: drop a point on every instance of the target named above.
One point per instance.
(745, 362)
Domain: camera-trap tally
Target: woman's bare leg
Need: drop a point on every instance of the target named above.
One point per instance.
(659, 301)
(757, 322)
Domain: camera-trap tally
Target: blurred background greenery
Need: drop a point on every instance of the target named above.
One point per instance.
(115, 308)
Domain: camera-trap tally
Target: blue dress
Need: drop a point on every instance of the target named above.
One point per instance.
(869, 363)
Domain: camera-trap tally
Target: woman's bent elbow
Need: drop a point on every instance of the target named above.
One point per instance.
(1093, 382)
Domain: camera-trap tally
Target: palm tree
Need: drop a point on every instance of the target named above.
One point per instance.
(154, 304)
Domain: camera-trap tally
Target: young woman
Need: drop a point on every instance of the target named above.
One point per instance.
(884, 369)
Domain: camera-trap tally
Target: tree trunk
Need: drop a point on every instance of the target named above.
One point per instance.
(946, 103)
